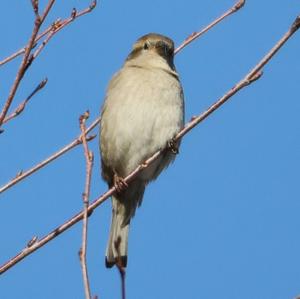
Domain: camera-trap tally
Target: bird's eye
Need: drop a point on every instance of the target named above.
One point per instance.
(146, 46)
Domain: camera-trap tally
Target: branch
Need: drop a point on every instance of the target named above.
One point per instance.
(35, 6)
(22, 106)
(78, 140)
(58, 23)
(28, 59)
(253, 75)
(195, 35)
(85, 196)
(21, 51)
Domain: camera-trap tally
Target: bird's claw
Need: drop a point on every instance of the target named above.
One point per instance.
(119, 183)
(172, 145)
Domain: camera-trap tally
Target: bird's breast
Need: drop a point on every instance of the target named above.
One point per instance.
(143, 109)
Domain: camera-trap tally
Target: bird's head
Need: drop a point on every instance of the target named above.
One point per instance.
(148, 48)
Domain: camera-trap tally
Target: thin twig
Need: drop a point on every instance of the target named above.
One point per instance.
(195, 35)
(26, 59)
(53, 27)
(253, 75)
(47, 9)
(50, 32)
(23, 174)
(21, 51)
(85, 197)
(35, 6)
(59, 25)
(22, 106)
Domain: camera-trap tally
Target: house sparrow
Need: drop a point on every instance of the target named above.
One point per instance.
(142, 112)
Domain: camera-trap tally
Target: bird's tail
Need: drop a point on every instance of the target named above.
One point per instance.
(116, 250)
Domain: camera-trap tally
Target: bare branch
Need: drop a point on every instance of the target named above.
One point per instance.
(35, 6)
(47, 9)
(26, 60)
(21, 51)
(23, 174)
(85, 196)
(28, 57)
(253, 75)
(195, 35)
(22, 106)
(32, 241)
(56, 24)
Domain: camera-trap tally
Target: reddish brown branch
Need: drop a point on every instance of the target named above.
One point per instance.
(78, 140)
(60, 24)
(195, 35)
(22, 106)
(28, 57)
(21, 51)
(253, 75)
(85, 196)
(35, 6)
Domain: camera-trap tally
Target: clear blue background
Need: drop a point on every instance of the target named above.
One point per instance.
(223, 221)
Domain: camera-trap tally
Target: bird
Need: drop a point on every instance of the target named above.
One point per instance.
(143, 110)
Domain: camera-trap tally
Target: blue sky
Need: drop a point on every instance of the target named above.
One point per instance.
(223, 220)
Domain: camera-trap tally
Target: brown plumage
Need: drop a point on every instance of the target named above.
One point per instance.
(143, 110)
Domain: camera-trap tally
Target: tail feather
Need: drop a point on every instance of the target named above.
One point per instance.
(123, 209)
(116, 251)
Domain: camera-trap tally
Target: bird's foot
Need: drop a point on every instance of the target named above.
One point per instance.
(119, 183)
(172, 145)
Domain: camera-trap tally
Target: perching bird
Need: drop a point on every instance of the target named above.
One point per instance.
(142, 112)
